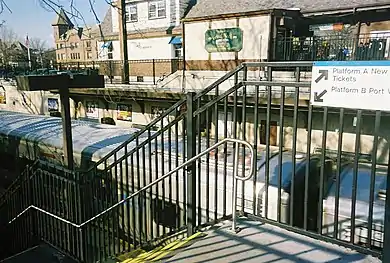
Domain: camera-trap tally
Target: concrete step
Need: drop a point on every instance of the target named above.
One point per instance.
(161, 253)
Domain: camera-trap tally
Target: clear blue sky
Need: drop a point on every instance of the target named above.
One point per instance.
(29, 17)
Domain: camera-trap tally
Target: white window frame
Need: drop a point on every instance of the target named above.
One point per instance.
(159, 6)
(131, 13)
(178, 48)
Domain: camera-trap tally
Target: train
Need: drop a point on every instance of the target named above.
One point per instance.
(33, 137)
(162, 207)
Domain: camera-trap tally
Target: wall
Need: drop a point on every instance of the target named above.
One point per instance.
(144, 23)
(140, 49)
(255, 42)
(332, 137)
(82, 48)
(149, 48)
(32, 102)
(377, 26)
(142, 111)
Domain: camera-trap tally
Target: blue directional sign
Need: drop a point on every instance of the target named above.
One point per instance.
(351, 84)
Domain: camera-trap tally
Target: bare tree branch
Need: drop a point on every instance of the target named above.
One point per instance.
(8, 44)
(3, 5)
(73, 13)
(38, 44)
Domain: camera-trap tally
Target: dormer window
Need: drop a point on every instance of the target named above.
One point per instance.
(157, 9)
(131, 13)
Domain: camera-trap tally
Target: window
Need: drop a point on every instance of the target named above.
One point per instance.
(59, 56)
(76, 45)
(62, 56)
(88, 43)
(75, 56)
(157, 9)
(363, 183)
(89, 55)
(178, 50)
(131, 13)
(61, 45)
(110, 49)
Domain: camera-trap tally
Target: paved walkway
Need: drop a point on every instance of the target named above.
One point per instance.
(260, 243)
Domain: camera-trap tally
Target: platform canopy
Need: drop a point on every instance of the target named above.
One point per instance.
(58, 82)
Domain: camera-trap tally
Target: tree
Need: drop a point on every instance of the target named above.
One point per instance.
(9, 50)
(38, 45)
(38, 50)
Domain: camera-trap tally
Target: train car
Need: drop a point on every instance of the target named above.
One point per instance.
(40, 137)
(163, 207)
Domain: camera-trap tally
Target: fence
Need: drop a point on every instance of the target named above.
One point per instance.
(149, 71)
(305, 179)
(337, 47)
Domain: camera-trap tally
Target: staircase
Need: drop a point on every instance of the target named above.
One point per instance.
(138, 196)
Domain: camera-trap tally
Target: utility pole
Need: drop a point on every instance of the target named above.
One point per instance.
(126, 68)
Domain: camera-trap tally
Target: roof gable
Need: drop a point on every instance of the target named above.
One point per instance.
(62, 19)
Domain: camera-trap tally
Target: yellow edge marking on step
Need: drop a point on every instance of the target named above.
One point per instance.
(162, 250)
(152, 254)
(130, 255)
(148, 254)
(136, 260)
(133, 254)
(134, 257)
(171, 244)
(180, 244)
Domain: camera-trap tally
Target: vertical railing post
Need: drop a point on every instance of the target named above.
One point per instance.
(110, 74)
(191, 169)
(154, 71)
(386, 238)
(234, 195)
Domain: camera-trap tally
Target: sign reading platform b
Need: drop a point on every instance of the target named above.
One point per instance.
(351, 84)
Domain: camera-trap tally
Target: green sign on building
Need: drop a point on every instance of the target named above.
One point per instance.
(223, 40)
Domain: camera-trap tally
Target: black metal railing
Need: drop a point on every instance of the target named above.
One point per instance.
(338, 47)
(81, 232)
(307, 177)
(148, 71)
(51, 188)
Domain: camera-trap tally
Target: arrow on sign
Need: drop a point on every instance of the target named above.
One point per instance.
(323, 74)
(318, 97)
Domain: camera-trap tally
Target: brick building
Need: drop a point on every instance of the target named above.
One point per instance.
(74, 44)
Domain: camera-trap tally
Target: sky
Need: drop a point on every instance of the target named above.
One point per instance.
(28, 17)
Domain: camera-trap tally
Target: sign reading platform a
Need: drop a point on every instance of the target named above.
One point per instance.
(351, 84)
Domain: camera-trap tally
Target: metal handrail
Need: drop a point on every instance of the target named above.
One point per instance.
(196, 157)
(141, 131)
